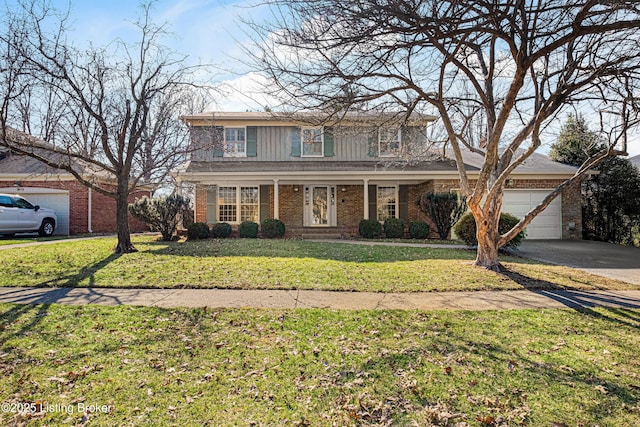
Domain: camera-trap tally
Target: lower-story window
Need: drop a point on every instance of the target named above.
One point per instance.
(237, 204)
(387, 202)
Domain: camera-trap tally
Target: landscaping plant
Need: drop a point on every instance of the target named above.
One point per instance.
(197, 230)
(248, 229)
(370, 229)
(393, 228)
(221, 230)
(445, 209)
(466, 229)
(161, 214)
(418, 230)
(272, 228)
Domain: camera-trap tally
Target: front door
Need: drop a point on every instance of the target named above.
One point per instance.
(319, 205)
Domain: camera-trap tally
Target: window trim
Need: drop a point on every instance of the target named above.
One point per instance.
(238, 202)
(396, 202)
(227, 153)
(302, 144)
(396, 153)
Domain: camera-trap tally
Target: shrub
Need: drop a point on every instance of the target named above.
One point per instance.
(445, 209)
(418, 230)
(507, 222)
(221, 230)
(370, 229)
(272, 228)
(197, 230)
(393, 228)
(248, 229)
(161, 214)
(466, 229)
(187, 218)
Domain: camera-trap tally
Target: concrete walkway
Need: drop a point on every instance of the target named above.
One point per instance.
(288, 299)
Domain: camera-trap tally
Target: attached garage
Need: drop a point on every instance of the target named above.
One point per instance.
(547, 224)
(51, 198)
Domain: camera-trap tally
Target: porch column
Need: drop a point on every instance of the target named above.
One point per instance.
(366, 199)
(276, 199)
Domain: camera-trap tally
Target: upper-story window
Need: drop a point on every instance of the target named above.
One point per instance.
(235, 142)
(389, 139)
(312, 142)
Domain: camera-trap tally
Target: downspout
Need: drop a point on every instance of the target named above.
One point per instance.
(90, 208)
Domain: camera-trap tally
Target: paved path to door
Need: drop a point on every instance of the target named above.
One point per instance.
(288, 299)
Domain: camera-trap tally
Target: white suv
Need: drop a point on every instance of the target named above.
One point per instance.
(17, 215)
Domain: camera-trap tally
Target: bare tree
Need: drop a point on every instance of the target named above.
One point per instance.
(109, 112)
(496, 73)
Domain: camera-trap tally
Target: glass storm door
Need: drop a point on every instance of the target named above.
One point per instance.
(320, 205)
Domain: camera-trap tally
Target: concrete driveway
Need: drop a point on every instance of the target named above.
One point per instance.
(604, 259)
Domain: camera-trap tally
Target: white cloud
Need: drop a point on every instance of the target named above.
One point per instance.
(245, 93)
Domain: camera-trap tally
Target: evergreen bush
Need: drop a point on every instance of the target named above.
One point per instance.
(248, 229)
(418, 230)
(370, 229)
(272, 228)
(393, 228)
(465, 229)
(221, 230)
(197, 230)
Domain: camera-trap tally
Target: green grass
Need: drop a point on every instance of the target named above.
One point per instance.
(416, 241)
(277, 264)
(194, 367)
(29, 239)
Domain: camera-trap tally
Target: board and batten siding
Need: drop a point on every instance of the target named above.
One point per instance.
(274, 145)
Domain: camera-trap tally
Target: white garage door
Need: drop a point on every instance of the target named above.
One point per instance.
(58, 200)
(548, 223)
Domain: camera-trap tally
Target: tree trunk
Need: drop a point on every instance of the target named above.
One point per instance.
(487, 235)
(487, 256)
(122, 220)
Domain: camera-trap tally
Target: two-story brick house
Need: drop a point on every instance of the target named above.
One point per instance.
(324, 179)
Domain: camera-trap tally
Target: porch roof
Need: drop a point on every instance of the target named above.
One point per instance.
(250, 167)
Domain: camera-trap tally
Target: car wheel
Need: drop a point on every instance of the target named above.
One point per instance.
(9, 235)
(47, 228)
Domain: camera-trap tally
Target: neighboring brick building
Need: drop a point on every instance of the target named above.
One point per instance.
(79, 209)
(325, 179)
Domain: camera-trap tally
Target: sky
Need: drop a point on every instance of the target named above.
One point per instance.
(207, 31)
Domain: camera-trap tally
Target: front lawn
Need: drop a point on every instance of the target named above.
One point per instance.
(28, 238)
(195, 367)
(277, 264)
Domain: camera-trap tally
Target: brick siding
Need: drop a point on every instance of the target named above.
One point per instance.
(103, 212)
(200, 214)
(291, 204)
(349, 204)
(571, 200)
